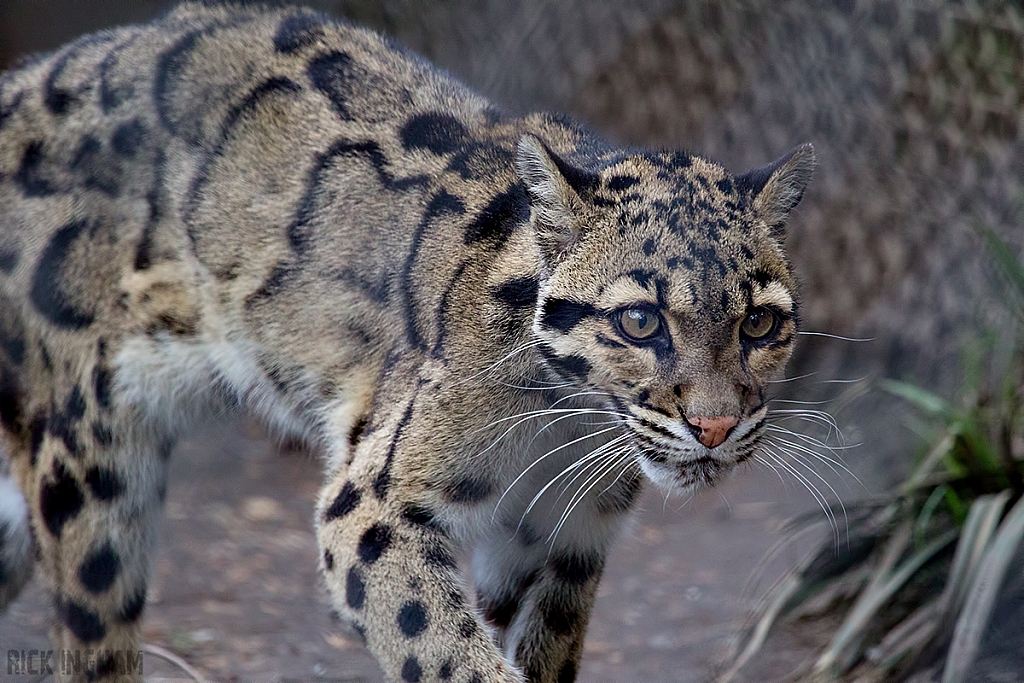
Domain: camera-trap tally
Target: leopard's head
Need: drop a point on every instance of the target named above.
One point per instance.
(666, 295)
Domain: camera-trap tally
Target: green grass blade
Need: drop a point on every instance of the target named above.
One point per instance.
(842, 651)
(974, 619)
(982, 521)
(931, 404)
(931, 460)
(1010, 266)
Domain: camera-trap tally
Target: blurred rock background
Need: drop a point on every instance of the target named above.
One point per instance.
(916, 109)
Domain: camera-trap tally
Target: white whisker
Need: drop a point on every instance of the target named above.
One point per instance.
(581, 494)
(819, 498)
(538, 460)
(592, 455)
(832, 463)
(806, 465)
(792, 379)
(494, 366)
(836, 336)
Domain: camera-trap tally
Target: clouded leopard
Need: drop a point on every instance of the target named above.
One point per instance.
(493, 327)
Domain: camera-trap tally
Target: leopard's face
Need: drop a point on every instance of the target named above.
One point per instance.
(674, 306)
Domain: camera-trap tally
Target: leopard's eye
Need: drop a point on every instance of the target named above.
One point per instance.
(758, 324)
(639, 324)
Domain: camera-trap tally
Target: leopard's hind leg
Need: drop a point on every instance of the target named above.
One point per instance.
(94, 478)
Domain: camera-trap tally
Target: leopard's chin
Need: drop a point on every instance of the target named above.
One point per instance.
(677, 473)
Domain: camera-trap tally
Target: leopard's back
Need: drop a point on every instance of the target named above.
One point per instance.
(193, 178)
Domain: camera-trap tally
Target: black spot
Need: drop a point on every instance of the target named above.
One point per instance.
(500, 612)
(345, 502)
(382, 481)
(75, 406)
(7, 112)
(650, 246)
(724, 185)
(445, 672)
(297, 31)
(95, 167)
(434, 131)
(107, 665)
(527, 534)
(411, 670)
(113, 96)
(60, 500)
(334, 76)
(567, 674)
(102, 434)
(154, 198)
(584, 182)
(58, 100)
(357, 431)
(518, 293)
(643, 396)
(47, 293)
(570, 367)
(576, 568)
(607, 341)
(563, 314)
(499, 219)
(642, 277)
(62, 423)
(468, 627)
(412, 618)
(355, 589)
(622, 182)
(559, 618)
(10, 398)
(476, 677)
(170, 65)
(84, 624)
(131, 610)
(104, 483)
(468, 490)
(128, 137)
(437, 554)
(328, 560)
(172, 324)
(30, 176)
(101, 380)
(37, 430)
(442, 203)
(423, 517)
(100, 569)
(374, 542)
(8, 260)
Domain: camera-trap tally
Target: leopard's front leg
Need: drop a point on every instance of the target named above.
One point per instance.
(391, 569)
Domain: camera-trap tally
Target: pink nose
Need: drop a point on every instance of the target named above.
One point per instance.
(713, 430)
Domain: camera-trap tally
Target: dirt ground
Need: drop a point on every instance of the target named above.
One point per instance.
(236, 590)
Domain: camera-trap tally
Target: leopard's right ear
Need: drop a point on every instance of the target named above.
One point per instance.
(557, 206)
(778, 187)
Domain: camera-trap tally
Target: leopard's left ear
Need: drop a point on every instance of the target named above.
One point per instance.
(552, 187)
(778, 187)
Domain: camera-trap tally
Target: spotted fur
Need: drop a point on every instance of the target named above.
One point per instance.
(270, 209)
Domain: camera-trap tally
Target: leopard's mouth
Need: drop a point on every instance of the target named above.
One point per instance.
(681, 467)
